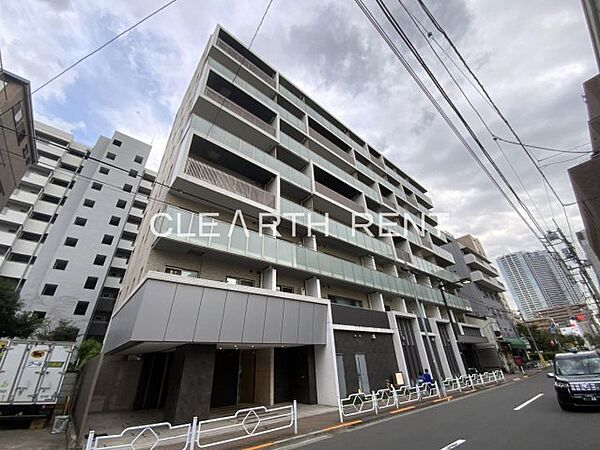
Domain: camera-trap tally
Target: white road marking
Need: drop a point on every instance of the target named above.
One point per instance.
(454, 444)
(523, 405)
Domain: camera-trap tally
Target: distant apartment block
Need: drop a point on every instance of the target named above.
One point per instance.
(538, 281)
(69, 228)
(17, 142)
(286, 313)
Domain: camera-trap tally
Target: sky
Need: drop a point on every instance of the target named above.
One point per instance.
(532, 57)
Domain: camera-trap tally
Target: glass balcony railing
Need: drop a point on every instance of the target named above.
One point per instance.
(245, 62)
(330, 146)
(250, 244)
(330, 193)
(286, 172)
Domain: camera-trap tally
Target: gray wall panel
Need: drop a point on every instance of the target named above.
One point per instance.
(291, 314)
(210, 316)
(153, 315)
(320, 324)
(254, 324)
(233, 317)
(182, 321)
(305, 326)
(273, 321)
(121, 326)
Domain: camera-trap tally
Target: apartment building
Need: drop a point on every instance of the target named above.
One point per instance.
(17, 144)
(483, 289)
(69, 228)
(592, 261)
(226, 310)
(538, 281)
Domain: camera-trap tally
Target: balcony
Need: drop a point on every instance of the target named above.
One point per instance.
(486, 281)
(330, 145)
(470, 334)
(237, 109)
(35, 179)
(475, 262)
(22, 196)
(223, 180)
(389, 203)
(113, 282)
(13, 269)
(25, 247)
(169, 310)
(9, 215)
(119, 263)
(7, 239)
(333, 195)
(245, 62)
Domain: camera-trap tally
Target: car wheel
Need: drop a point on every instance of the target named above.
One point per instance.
(566, 406)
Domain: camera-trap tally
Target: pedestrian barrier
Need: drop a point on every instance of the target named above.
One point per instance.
(386, 398)
(244, 424)
(465, 382)
(408, 394)
(355, 404)
(452, 385)
(429, 390)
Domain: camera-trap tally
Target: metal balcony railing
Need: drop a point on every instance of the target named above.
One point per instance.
(245, 62)
(322, 189)
(471, 331)
(389, 202)
(211, 93)
(377, 161)
(330, 145)
(218, 178)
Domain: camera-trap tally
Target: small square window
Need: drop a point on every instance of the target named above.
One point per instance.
(89, 203)
(114, 220)
(90, 283)
(104, 170)
(111, 156)
(117, 143)
(80, 221)
(127, 187)
(71, 242)
(138, 159)
(121, 204)
(99, 260)
(133, 173)
(107, 239)
(49, 289)
(96, 186)
(60, 264)
(81, 308)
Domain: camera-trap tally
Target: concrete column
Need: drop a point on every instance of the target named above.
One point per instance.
(264, 389)
(440, 349)
(456, 350)
(368, 261)
(190, 383)
(376, 301)
(310, 242)
(398, 348)
(268, 279)
(328, 389)
(421, 345)
(313, 287)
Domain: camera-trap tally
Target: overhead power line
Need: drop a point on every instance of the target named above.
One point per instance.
(550, 149)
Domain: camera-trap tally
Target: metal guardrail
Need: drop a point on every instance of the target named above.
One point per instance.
(356, 404)
(211, 93)
(245, 423)
(245, 62)
(217, 177)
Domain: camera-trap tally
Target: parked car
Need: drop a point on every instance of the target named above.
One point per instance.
(577, 379)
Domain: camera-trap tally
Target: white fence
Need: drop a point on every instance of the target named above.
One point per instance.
(245, 423)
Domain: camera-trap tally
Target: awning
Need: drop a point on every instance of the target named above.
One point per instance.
(516, 343)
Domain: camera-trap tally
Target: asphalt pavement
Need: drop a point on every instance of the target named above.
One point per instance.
(513, 416)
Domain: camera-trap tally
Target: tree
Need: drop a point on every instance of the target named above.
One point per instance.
(63, 331)
(13, 321)
(88, 349)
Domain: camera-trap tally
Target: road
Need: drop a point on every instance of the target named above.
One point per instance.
(487, 420)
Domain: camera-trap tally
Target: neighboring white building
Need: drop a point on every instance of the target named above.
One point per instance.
(68, 230)
(537, 281)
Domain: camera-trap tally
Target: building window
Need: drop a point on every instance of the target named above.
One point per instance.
(39, 314)
(104, 170)
(117, 143)
(182, 272)
(96, 186)
(89, 203)
(80, 221)
(121, 204)
(81, 308)
(107, 239)
(138, 159)
(49, 289)
(99, 260)
(71, 242)
(60, 264)
(345, 301)
(288, 289)
(90, 283)
(133, 173)
(127, 187)
(111, 156)
(114, 220)
(239, 281)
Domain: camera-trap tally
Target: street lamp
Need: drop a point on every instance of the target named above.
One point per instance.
(442, 285)
(421, 317)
